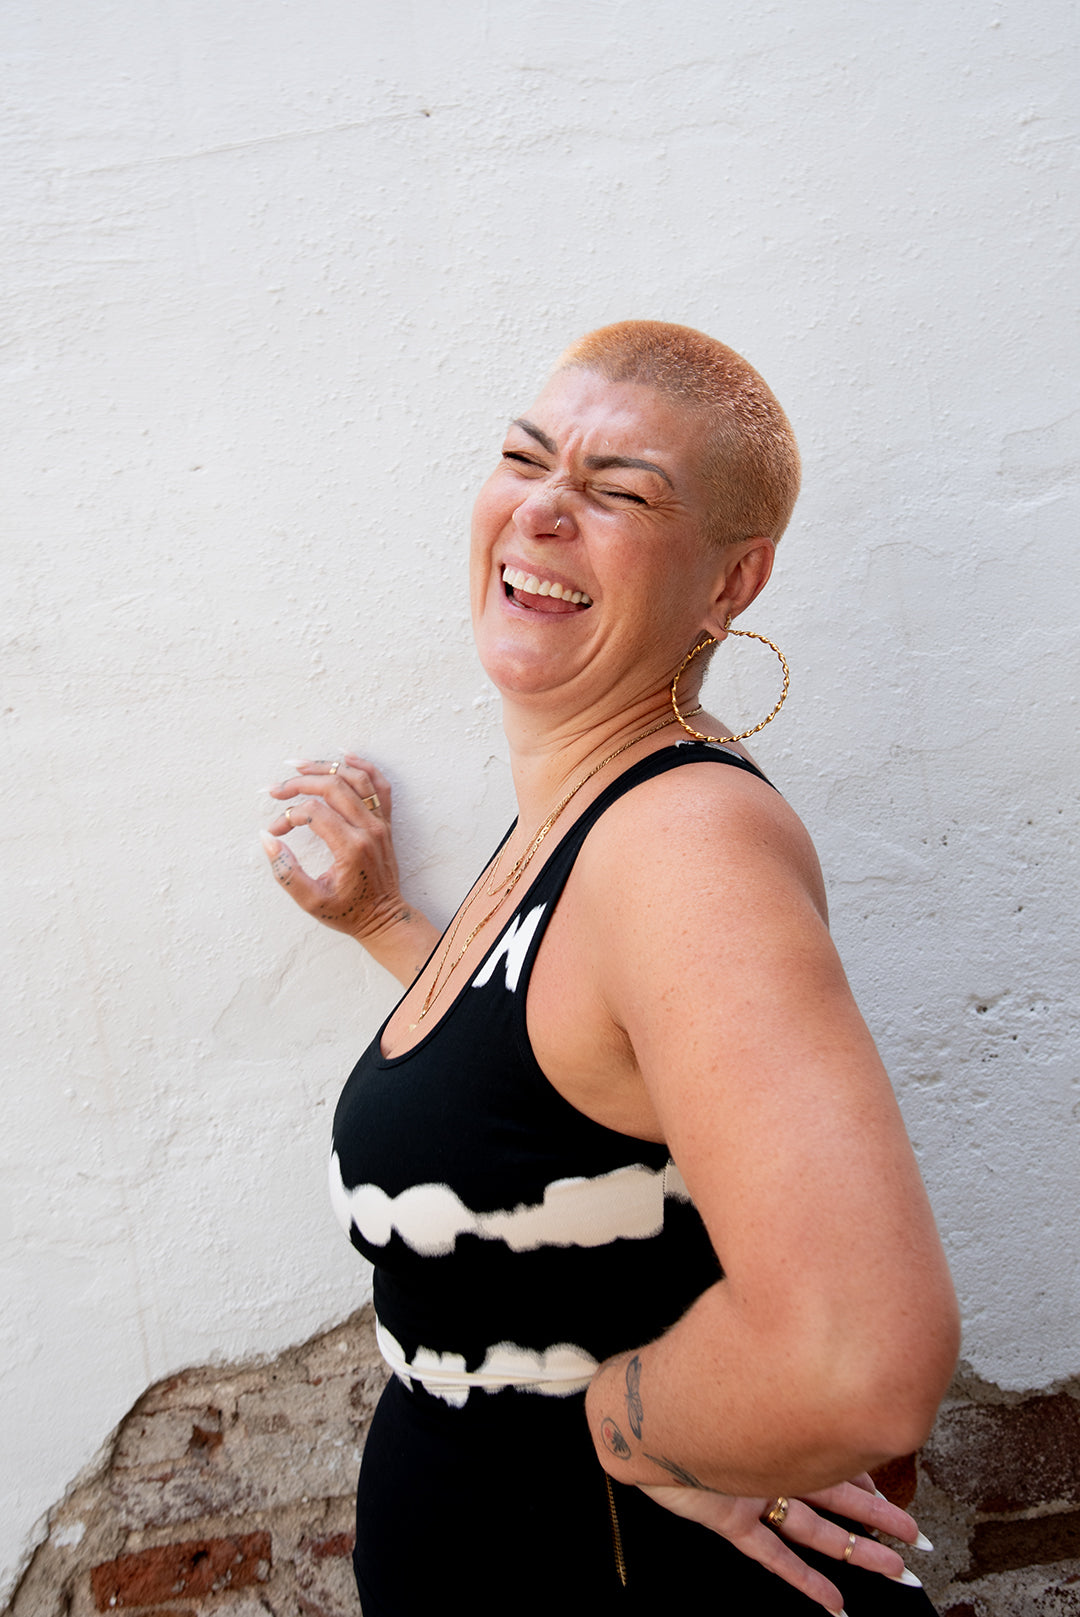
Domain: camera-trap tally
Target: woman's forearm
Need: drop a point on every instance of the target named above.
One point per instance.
(715, 1403)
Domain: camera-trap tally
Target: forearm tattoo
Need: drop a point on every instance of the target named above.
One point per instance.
(616, 1443)
(679, 1472)
(613, 1439)
(634, 1412)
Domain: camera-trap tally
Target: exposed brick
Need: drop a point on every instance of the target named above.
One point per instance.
(198, 1567)
(898, 1480)
(335, 1544)
(164, 1437)
(1005, 1546)
(203, 1441)
(999, 1457)
(311, 1608)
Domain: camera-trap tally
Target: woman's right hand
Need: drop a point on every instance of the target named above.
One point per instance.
(742, 1522)
(347, 805)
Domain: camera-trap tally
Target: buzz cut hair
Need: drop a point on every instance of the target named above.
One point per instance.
(751, 460)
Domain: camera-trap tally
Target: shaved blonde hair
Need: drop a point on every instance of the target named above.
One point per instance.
(752, 459)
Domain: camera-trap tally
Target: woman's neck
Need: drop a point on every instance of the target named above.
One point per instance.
(548, 755)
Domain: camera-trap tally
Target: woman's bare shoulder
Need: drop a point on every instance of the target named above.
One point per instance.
(702, 824)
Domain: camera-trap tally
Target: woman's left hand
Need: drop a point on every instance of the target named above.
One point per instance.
(741, 1522)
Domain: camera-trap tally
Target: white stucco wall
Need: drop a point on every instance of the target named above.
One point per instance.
(276, 275)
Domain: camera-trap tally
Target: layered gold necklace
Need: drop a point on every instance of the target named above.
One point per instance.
(444, 971)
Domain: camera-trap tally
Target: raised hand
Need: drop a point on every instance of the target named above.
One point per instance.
(348, 803)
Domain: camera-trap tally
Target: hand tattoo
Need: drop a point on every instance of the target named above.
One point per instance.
(282, 868)
(634, 1411)
(614, 1440)
(679, 1472)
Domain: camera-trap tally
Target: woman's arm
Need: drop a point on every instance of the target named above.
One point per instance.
(350, 809)
(829, 1343)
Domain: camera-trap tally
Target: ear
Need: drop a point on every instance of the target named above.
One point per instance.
(743, 574)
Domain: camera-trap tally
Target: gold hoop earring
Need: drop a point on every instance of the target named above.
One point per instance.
(710, 640)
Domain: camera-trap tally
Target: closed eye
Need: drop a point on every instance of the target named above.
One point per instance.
(623, 494)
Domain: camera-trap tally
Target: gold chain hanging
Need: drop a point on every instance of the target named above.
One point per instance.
(439, 981)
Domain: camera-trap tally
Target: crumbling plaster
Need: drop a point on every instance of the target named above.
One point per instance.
(276, 277)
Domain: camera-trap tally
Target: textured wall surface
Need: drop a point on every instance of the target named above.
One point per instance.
(275, 277)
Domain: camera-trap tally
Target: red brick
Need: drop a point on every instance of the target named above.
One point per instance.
(999, 1457)
(335, 1544)
(897, 1480)
(1010, 1546)
(197, 1567)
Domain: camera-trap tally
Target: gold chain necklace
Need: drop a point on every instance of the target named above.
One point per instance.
(439, 981)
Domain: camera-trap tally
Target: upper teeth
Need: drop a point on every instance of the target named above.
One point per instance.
(532, 585)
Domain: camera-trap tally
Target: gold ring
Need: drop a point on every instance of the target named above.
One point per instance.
(334, 767)
(851, 1543)
(371, 802)
(778, 1511)
(288, 816)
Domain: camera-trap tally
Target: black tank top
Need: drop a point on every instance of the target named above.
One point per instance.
(516, 1242)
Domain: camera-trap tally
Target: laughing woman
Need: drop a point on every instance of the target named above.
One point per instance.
(654, 1267)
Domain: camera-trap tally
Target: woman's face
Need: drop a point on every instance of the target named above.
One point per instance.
(590, 570)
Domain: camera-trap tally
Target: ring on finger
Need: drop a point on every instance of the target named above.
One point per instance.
(334, 767)
(371, 802)
(852, 1540)
(777, 1512)
(288, 816)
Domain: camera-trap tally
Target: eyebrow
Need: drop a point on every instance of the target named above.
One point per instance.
(595, 463)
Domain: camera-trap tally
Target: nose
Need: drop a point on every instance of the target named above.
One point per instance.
(543, 515)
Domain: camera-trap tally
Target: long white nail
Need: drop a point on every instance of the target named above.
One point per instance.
(907, 1577)
(271, 844)
(922, 1542)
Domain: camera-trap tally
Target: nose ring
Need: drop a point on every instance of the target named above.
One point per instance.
(555, 529)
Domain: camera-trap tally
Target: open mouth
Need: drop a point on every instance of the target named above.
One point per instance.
(542, 594)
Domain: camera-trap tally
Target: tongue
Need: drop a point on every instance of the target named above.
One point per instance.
(545, 603)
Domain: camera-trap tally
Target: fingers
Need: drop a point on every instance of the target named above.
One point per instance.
(873, 1510)
(736, 1519)
(352, 833)
(804, 1526)
(287, 870)
(778, 1558)
(351, 786)
(345, 802)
